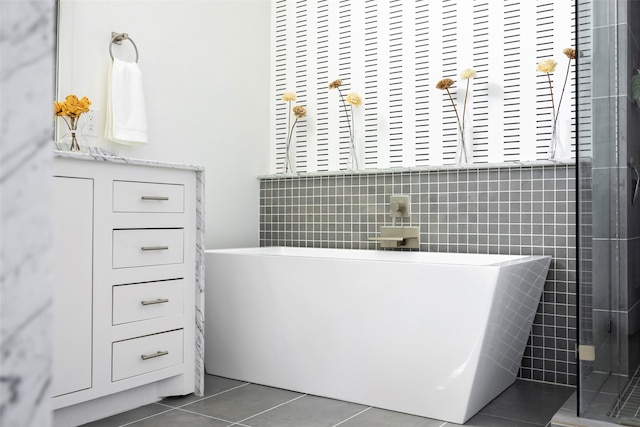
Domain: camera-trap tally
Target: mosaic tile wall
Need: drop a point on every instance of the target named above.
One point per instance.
(517, 210)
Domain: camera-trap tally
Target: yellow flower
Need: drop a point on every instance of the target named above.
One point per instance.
(335, 84)
(72, 107)
(299, 111)
(58, 108)
(570, 53)
(84, 104)
(354, 99)
(547, 66)
(467, 74)
(289, 96)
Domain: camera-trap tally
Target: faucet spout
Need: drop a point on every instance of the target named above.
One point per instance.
(398, 237)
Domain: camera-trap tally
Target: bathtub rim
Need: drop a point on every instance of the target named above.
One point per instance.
(374, 255)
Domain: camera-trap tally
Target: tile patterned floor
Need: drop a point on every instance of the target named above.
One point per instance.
(229, 402)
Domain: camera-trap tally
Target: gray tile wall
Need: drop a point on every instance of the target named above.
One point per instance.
(503, 210)
(629, 135)
(615, 294)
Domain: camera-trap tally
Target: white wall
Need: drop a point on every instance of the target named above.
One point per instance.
(205, 66)
(394, 53)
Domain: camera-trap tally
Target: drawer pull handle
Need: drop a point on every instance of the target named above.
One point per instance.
(155, 301)
(151, 356)
(155, 198)
(154, 248)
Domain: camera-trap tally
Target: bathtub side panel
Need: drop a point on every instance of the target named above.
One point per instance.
(517, 297)
(404, 337)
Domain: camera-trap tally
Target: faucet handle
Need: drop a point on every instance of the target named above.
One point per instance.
(399, 206)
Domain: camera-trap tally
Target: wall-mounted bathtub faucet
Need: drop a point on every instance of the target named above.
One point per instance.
(399, 237)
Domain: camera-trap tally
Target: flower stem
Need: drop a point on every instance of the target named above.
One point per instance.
(566, 77)
(462, 147)
(457, 116)
(352, 133)
(69, 125)
(553, 106)
(346, 113)
(464, 109)
(287, 160)
(289, 132)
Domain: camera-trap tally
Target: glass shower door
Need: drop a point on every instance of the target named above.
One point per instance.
(607, 136)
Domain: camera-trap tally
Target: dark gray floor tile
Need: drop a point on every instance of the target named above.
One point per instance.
(212, 385)
(308, 411)
(375, 417)
(177, 417)
(242, 402)
(483, 420)
(529, 401)
(129, 416)
(571, 403)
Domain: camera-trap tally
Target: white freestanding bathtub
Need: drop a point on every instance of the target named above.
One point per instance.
(431, 334)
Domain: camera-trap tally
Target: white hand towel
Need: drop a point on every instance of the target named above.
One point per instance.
(126, 112)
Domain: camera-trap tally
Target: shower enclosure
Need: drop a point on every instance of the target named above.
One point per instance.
(608, 162)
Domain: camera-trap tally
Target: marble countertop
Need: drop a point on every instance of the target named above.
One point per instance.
(103, 157)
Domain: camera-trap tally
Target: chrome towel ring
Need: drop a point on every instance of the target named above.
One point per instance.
(117, 39)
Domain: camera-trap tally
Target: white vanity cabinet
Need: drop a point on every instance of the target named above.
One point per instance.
(125, 280)
(73, 284)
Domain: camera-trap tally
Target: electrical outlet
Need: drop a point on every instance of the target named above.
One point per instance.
(91, 123)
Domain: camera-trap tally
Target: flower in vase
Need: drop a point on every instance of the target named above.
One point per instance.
(353, 99)
(570, 53)
(70, 110)
(445, 84)
(299, 112)
(288, 96)
(467, 75)
(548, 66)
(335, 84)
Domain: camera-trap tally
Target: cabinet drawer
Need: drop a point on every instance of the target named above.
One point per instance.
(146, 354)
(130, 196)
(144, 247)
(142, 301)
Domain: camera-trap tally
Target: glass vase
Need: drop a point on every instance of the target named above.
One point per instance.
(288, 166)
(69, 140)
(353, 163)
(558, 148)
(464, 149)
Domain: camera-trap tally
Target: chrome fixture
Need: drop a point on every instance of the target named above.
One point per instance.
(399, 237)
(399, 207)
(635, 181)
(117, 39)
